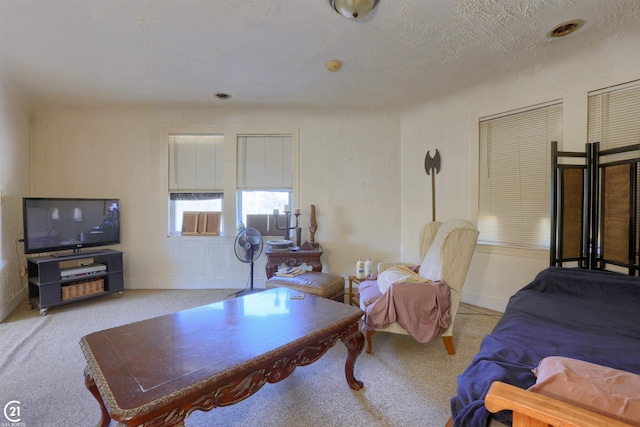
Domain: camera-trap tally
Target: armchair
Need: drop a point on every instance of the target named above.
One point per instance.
(446, 250)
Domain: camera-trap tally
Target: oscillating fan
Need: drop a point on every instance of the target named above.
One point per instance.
(248, 248)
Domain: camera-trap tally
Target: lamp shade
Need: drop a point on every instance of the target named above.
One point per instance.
(353, 9)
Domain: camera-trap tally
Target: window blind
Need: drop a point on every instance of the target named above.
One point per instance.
(614, 120)
(614, 116)
(514, 177)
(265, 162)
(196, 163)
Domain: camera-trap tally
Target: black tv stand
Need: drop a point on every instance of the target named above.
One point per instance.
(77, 251)
(48, 288)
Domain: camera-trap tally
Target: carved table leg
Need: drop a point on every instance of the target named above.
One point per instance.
(315, 264)
(355, 344)
(91, 386)
(270, 269)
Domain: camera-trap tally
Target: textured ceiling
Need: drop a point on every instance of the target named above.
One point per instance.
(273, 52)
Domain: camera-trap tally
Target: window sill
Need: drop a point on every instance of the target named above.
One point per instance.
(195, 236)
(495, 249)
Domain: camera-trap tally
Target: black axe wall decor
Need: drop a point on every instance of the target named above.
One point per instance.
(432, 166)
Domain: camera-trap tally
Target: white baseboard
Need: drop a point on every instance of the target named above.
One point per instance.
(192, 284)
(492, 303)
(8, 308)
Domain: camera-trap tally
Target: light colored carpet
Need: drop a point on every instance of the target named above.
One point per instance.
(406, 383)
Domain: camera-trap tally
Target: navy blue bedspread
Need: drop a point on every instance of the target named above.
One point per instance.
(587, 315)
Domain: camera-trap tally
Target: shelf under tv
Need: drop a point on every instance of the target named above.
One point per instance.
(48, 288)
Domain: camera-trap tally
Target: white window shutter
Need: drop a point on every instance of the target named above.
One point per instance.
(196, 162)
(265, 162)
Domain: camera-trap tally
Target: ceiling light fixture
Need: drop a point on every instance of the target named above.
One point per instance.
(353, 9)
(565, 28)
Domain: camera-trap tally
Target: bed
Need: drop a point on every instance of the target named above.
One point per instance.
(578, 313)
(585, 306)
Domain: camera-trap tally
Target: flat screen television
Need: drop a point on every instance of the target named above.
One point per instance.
(56, 224)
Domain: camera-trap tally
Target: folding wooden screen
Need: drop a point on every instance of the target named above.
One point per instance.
(595, 208)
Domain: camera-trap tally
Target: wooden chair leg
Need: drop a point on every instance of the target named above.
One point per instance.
(449, 422)
(368, 336)
(448, 344)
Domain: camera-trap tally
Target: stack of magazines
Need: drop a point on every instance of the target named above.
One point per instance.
(290, 272)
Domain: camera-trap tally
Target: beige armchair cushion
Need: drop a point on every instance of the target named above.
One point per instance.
(448, 259)
(398, 274)
(439, 260)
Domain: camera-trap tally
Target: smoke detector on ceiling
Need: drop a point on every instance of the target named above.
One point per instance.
(565, 28)
(333, 65)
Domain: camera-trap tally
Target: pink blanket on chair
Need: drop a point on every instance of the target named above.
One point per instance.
(422, 309)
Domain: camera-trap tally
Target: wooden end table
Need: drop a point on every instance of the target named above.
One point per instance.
(291, 258)
(157, 371)
(354, 295)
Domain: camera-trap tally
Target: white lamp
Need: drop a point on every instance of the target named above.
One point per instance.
(353, 9)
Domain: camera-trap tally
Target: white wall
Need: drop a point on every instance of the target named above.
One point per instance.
(14, 184)
(349, 168)
(363, 170)
(450, 125)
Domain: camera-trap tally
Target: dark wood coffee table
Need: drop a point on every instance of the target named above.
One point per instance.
(157, 371)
